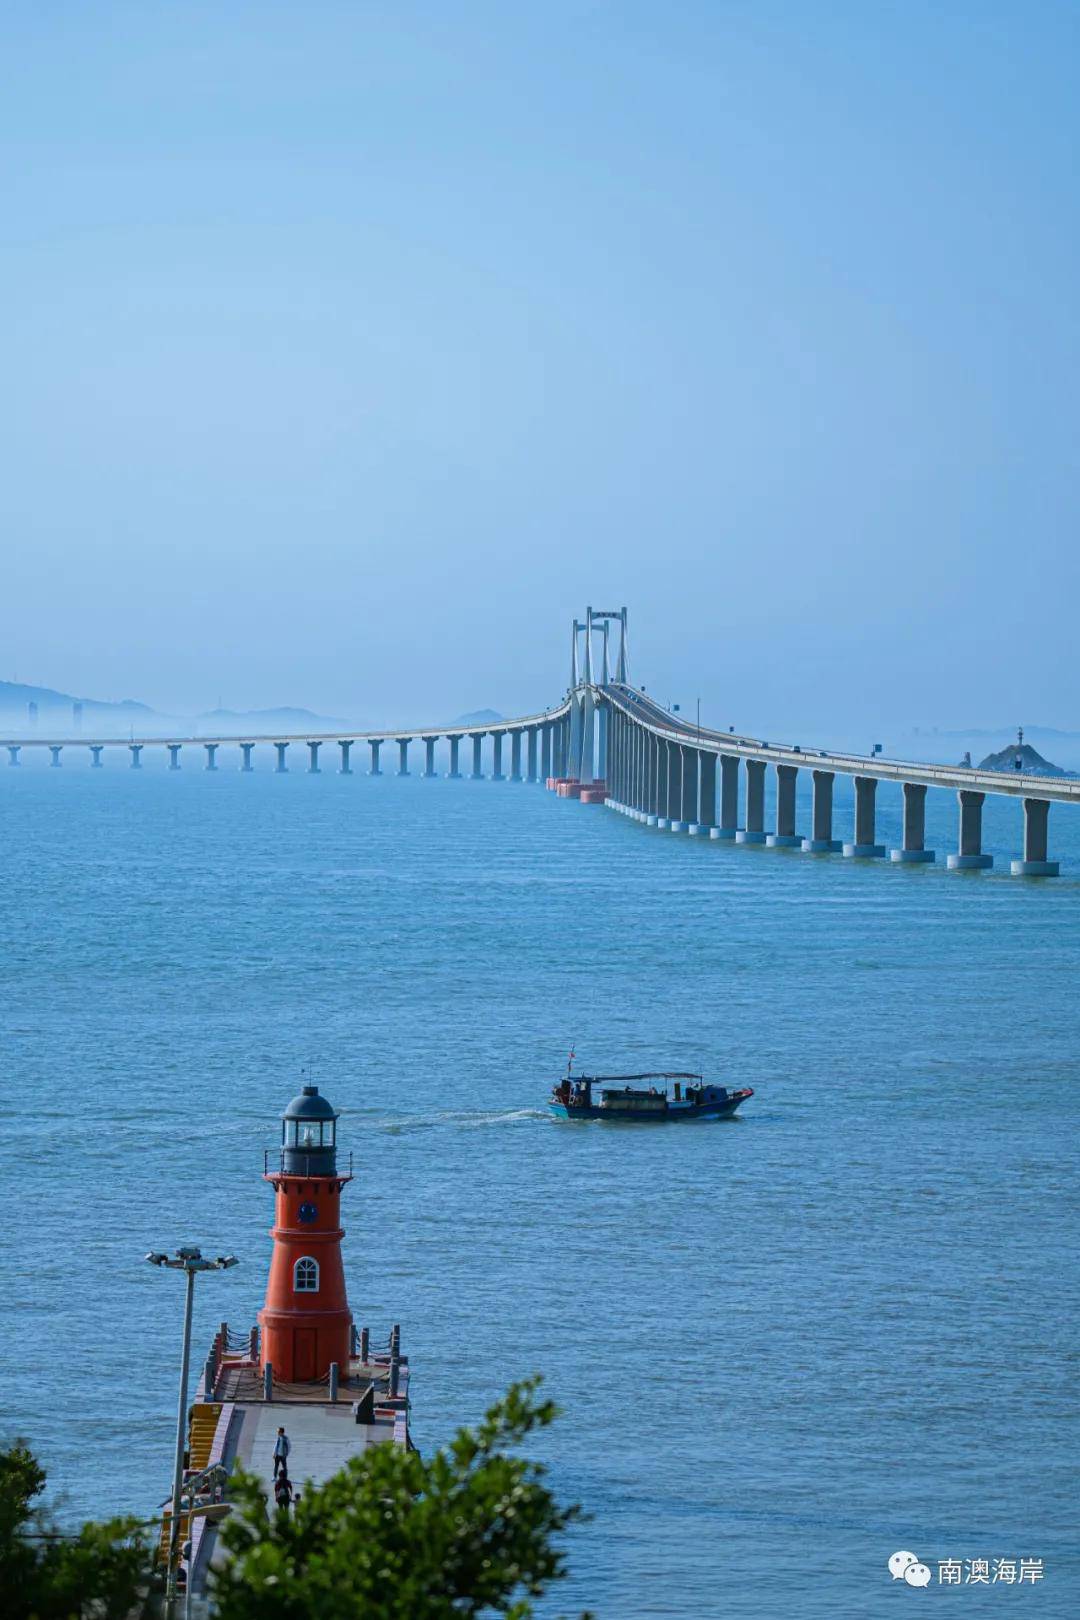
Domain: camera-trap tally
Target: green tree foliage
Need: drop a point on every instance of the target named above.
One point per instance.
(394, 1536)
(102, 1572)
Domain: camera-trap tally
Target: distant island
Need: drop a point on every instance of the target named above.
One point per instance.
(1018, 756)
(1031, 762)
(478, 717)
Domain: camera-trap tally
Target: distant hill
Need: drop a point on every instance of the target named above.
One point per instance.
(1032, 763)
(16, 696)
(479, 717)
(262, 721)
(64, 714)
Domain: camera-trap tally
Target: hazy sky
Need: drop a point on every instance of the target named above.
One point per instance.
(351, 349)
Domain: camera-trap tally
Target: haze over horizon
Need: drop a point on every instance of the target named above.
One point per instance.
(355, 350)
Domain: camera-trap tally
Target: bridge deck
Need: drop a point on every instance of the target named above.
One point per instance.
(643, 709)
(673, 729)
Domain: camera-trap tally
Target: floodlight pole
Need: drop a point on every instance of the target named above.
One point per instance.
(189, 1261)
(178, 1461)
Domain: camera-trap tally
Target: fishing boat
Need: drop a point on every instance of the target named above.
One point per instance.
(640, 1097)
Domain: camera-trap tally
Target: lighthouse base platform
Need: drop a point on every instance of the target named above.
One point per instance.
(241, 1426)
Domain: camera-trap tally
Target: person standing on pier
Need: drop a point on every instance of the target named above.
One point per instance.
(281, 1453)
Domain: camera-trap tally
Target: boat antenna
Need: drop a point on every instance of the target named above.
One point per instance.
(570, 1062)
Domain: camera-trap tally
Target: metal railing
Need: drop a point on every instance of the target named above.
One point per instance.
(309, 1173)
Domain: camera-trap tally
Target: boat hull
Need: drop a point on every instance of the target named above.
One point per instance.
(712, 1110)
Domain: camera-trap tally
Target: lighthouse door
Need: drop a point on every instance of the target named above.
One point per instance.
(304, 1354)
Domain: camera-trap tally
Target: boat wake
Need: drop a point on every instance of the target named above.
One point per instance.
(457, 1119)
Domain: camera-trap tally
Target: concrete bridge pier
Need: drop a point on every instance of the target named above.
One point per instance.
(634, 795)
(545, 751)
(313, 758)
(211, 756)
(496, 757)
(375, 743)
(669, 786)
(1035, 863)
(656, 766)
(245, 750)
(754, 831)
(705, 819)
(821, 840)
(624, 789)
(135, 750)
(174, 755)
(914, 849)
(632, 768)
(515, 756)
(728, 825)
(530, 754)
(345, 769)
(13, 753)
(658, 769)
(280, 768)
(54, 750)
(686, 764)
(644, 751)
(453, 774)
(95, 762)
(477, 755)
(785, 836)
(674, 788)
(864, 846)
(403, 755)
(429, 756)
(970, 855)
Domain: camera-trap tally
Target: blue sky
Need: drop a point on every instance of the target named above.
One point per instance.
(351, 349)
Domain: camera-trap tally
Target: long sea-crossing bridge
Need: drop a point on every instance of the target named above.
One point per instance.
(608, 742)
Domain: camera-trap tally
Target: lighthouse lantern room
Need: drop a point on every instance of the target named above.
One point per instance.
(306, 1322)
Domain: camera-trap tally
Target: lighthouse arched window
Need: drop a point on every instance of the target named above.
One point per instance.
(306, 1276)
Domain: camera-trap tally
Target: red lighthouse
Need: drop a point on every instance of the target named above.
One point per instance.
(306, 1322)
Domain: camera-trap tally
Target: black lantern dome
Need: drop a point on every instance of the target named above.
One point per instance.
(308, 1135)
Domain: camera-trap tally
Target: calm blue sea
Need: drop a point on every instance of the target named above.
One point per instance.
(786, 1346)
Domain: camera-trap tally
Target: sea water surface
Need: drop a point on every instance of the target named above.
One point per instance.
(785, 1346)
